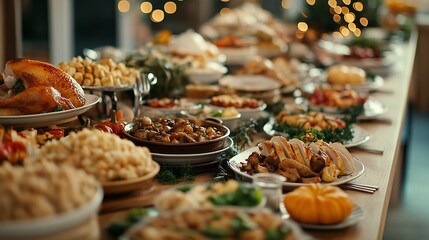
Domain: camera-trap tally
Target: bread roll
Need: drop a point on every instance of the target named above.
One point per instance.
(342, 74)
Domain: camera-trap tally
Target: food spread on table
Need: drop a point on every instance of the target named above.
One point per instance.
(49, 169)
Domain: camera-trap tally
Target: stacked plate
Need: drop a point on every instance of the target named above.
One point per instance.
(255, 86)
(196, 154)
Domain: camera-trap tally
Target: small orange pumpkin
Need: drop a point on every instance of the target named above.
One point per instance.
(318, 204)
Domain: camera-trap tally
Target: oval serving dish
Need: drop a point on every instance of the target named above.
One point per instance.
(180, 148)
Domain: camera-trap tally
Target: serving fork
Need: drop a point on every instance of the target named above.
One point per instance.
(360, 187)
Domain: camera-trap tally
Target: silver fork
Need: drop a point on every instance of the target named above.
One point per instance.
(360, 187)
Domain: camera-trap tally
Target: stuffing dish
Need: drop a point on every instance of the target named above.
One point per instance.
(174, 130)
(43, 190)
(103, 155)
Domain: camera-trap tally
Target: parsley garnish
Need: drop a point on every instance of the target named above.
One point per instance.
(59, 108)
(341, 135)
(18, 86)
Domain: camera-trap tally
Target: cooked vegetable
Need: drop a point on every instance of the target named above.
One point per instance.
(244, 196)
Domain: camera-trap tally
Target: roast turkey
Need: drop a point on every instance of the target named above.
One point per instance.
(31, 87)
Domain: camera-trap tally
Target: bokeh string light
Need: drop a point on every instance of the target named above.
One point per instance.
(344, 13)
(146, 7)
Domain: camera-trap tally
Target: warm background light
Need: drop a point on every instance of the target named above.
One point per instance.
(337, 18)
(337, 9)
(364, 21)
(347, 2)
(286, 4)
(146, 7)
(302, 26)
(123, 6)
(157, 15)
(170, 7)
(224, 11)
(345, 32)
(352, 27)
(358, 6)
(357, 32)
(349, 17)
(311, 2)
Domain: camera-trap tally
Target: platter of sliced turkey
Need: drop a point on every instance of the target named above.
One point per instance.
(301, 163)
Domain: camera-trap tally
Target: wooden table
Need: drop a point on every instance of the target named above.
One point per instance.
(380, 169)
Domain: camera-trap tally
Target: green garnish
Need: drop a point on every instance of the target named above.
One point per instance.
(58, 109)
(241, 223)
(277, 234)
(244, 196)
(341, 135)
(172, 175)
(214, 233)
(185, 188)
(216, 216)
(18, 86)
(216, 114)
(117, 229)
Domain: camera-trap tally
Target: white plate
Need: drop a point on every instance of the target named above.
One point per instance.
(360, 136)
(248, 113)
(184, 105)
(235, 163)
(192, 159)
(372, 108)
(205, 77)
(45, 119)
(373, 83)
(355, 217)
(249, 83)
(109, 89)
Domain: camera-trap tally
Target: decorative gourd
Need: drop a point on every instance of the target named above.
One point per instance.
(318, 204)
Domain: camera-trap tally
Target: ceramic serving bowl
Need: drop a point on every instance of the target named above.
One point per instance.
(130, 185)
(179, 148)
(45, 228)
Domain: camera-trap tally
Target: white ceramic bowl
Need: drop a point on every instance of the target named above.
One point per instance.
(48, 226)
(231, 122)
